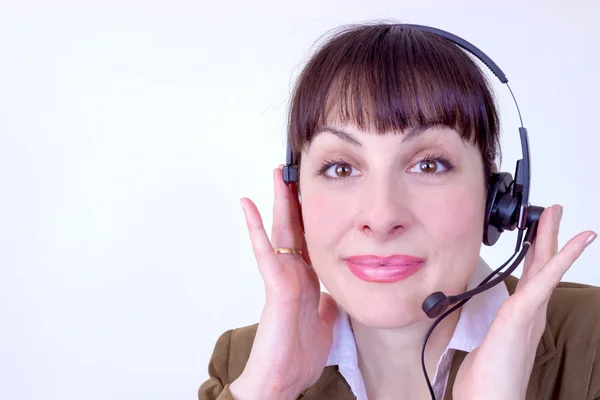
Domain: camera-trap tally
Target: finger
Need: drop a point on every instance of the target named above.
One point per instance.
(527, 265)
(297, 216)
(268, 263)
(286, 230)
(539, 289)
(546, 243)
(296, 207)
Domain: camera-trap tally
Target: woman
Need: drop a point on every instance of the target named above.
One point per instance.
(396, 134)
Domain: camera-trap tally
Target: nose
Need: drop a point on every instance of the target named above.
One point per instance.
(384, 211)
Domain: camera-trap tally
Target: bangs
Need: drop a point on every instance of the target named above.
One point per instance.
(390, 78)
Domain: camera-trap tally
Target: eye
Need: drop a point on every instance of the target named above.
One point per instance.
(432, 165)
(337, 169)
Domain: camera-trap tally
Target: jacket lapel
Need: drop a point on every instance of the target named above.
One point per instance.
(331, 386)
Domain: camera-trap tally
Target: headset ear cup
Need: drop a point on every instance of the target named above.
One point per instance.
(501, 207)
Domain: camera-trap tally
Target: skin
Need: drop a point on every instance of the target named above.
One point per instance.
(437, 216)
(420, 208)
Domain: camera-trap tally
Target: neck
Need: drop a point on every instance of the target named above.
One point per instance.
(401, 373)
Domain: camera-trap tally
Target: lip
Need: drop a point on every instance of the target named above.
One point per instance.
(393, 268)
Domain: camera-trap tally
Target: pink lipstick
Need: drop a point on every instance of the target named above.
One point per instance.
(383, 269)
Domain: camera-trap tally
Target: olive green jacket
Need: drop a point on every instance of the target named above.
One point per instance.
(567, 361)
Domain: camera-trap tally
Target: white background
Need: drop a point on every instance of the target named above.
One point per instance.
(129, 131)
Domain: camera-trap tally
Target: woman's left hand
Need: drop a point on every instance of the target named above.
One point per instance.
(501, 367)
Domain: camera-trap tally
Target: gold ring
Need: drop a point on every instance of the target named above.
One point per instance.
(287, 250)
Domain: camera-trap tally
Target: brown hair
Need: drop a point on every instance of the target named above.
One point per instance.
(390, 77)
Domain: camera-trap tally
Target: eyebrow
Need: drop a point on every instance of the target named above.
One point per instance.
(345, 136)
(410, 134)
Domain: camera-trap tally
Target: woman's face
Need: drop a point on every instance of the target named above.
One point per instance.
(418, 196)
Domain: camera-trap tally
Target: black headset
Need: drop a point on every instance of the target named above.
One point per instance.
(507, 205)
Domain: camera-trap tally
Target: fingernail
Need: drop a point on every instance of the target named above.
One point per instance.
(243, 205)
(590, 239)
(280, 166)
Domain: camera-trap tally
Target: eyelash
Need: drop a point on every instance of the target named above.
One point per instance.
(440, 158)
(330, 163)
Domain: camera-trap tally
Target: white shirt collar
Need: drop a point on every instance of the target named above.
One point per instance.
(473, 324)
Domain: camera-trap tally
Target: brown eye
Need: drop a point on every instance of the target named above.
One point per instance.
(431, 166)
(428, 166)
(343, 170)
(338, 170)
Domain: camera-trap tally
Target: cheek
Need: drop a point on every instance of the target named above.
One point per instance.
(458, 217)
(324, 217)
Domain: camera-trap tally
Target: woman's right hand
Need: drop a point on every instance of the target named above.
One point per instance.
(295, 331)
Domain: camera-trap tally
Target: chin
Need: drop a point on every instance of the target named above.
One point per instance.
(388, 305)
(383, 310)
